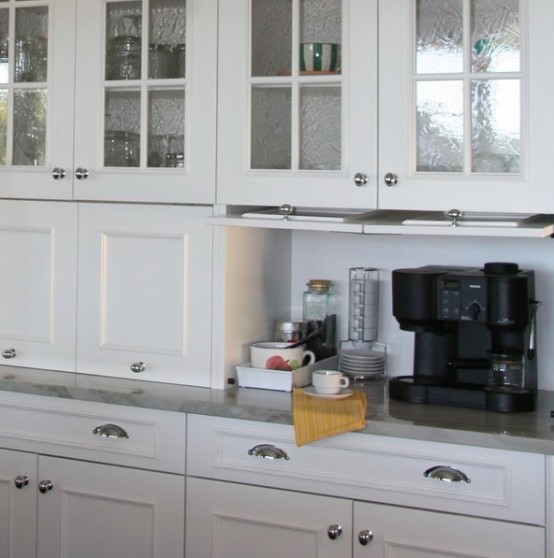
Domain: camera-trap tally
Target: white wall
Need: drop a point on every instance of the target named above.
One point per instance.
(330, 255)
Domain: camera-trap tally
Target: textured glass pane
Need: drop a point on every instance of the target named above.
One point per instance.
(320, 128)
(29, 127)
(439, 40)
(123, 40)
(166, 37)
(3, 124)
(31, 44)
(440, 126)
(496, 126)
(166, 129)
(122, 132)
(495, 36)
(271, 37)
(271, 128)
(4, 43)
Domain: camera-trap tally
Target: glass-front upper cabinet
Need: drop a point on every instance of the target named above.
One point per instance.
(464, 118)
(297, 103)
(146, 100)
(35, 69)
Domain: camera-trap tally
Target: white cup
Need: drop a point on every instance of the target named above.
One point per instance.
(274, 355)
(329, 382)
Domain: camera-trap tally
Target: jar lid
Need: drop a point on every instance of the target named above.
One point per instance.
(319, 285)
(288, 326)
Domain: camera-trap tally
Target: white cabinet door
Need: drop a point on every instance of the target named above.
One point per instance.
(288, 136)
(98, 510)
(38, 266)
(36, 97)
(226, 520)
(145, 292)
(18, 518)
(145, 116)
(464, 118)
(394, 532)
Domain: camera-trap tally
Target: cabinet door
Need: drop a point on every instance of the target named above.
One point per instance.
(38, 266)
(289, 131)
(395, 532)
(144, 302)
(18, 521)
(37, 61)
(97, 510)
(228, 520)
(146, 100)
(464, 120)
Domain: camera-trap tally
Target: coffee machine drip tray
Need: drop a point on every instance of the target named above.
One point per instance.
(435, 391)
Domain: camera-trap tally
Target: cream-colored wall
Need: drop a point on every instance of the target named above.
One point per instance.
(331, 255)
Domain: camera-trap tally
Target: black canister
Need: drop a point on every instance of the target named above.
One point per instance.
(320, 315)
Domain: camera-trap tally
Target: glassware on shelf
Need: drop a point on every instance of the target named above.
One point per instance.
(161, 62)
(121, 149)
(124, 58)
(363, 308)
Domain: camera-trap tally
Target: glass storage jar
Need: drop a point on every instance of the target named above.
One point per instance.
(320, 315)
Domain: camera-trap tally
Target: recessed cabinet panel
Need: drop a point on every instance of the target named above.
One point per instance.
(38, 251)
(144, 297)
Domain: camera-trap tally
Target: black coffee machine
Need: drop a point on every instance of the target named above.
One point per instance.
(474, 333)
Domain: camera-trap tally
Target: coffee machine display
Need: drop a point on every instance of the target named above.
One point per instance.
(475, 336)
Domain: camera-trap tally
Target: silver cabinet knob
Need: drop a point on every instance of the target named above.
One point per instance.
(21, 481)
(138, 367)
(81, 173)
(58, 173)
(268, 451)
(110, 431)
(391, 179)
(334, 531)
(446, 473)
(45, 485)
(286, 210)
(365, 537)
(360, 179)
(9, 353)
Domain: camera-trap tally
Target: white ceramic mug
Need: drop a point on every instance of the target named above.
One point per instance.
(329, 382)
(274, 355)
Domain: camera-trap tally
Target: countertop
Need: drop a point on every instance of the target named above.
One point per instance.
(529, 432)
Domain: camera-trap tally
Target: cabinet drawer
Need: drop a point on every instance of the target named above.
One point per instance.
(66, 428)
(500, 484)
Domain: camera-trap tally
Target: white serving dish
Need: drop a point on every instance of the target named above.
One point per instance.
(281, 380)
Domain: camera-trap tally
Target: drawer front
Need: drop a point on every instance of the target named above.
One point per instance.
(492, 483)
(119, 435)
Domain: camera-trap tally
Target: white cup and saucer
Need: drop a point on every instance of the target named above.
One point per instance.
(329, 384)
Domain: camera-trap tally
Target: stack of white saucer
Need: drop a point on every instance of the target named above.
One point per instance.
(362, 364)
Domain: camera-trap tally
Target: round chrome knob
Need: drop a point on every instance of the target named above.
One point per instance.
(45, 485)
(110, 431)
(138, 367)
(9, 353)
(360, 179)
(365, 537)
(334, 531)
(21, 481)
(286, 210)
(58, 173)
(391, 179)
(81, 173)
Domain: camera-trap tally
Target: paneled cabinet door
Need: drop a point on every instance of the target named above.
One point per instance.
(90, 510)
(394, 532)
(297, 105)
(37, 72)
(18, 518)
(145, 114)
(229, 520)
(38, 267)
(145, 292)
(464, 108)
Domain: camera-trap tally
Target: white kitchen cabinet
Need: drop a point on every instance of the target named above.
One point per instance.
(144, 302)
(463, 106)
(287, 136)
(228, 520)
(122, 106)
(38, 263)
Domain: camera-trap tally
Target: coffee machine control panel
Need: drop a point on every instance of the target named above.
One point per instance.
(462, 297)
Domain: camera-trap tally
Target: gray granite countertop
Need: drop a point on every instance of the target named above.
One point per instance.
(531, 432)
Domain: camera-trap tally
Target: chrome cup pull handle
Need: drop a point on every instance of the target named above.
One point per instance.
(9, 353)
(110, 431)
(268, 451)
(446, 474)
